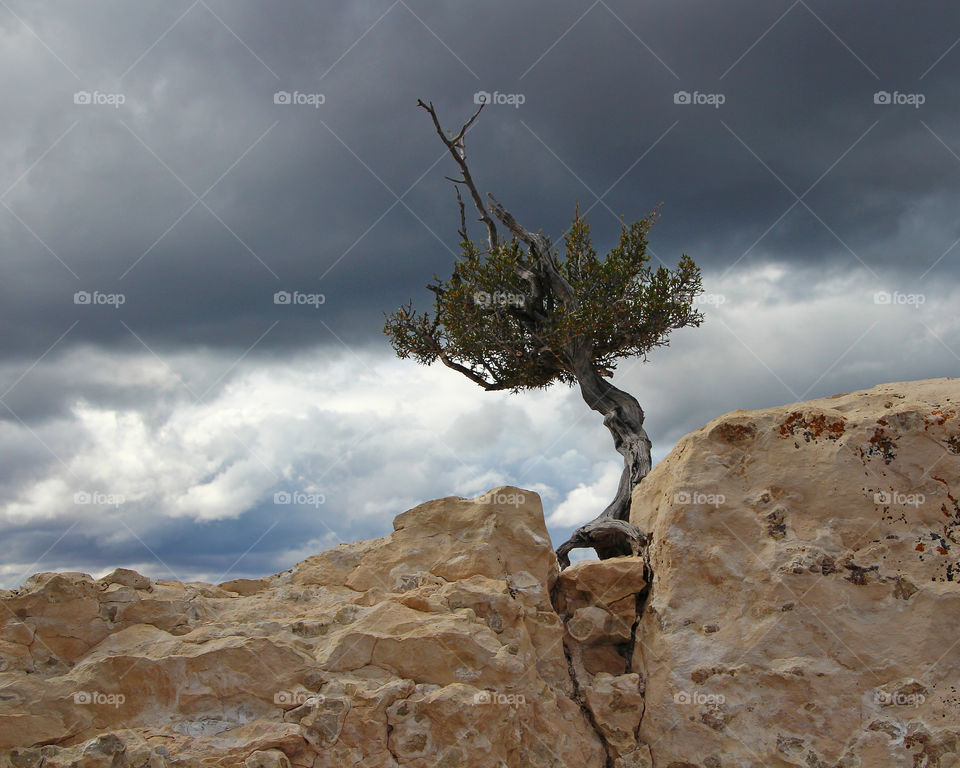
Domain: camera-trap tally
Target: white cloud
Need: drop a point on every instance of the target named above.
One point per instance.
(373, 434)
(585, 502)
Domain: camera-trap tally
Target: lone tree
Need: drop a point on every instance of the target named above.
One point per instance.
(516, 315)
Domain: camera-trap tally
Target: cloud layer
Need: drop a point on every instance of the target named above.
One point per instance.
(168, 168)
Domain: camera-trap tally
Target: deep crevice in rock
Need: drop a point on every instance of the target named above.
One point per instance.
(643, 597)
(581, 702)
(386, 744)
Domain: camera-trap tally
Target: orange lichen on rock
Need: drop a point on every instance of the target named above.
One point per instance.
(734, 433)
(812, 428)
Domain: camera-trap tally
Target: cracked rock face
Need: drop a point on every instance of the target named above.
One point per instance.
(805, 607)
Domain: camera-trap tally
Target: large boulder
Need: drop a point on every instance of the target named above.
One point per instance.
(805, 605)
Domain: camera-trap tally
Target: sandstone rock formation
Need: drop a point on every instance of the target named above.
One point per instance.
(805, 604)
(801, 607)
(435, 646)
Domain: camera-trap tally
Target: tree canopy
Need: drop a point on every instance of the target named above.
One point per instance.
(496, 322)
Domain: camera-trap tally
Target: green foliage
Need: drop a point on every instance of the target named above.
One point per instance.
(500, 321)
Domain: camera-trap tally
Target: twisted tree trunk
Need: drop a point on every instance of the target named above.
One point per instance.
(610, 533)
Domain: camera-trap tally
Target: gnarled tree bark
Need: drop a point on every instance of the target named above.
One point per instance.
(611, 534)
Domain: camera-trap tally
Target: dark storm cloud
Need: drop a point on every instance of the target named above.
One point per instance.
(199, 198)
(306, 199)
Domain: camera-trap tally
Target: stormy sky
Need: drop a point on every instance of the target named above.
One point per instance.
(168, 167)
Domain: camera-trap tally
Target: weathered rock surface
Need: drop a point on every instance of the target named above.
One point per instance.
(801, 607)
(805, 605)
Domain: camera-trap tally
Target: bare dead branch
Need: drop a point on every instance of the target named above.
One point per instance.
(458, 139)
(457, 147)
